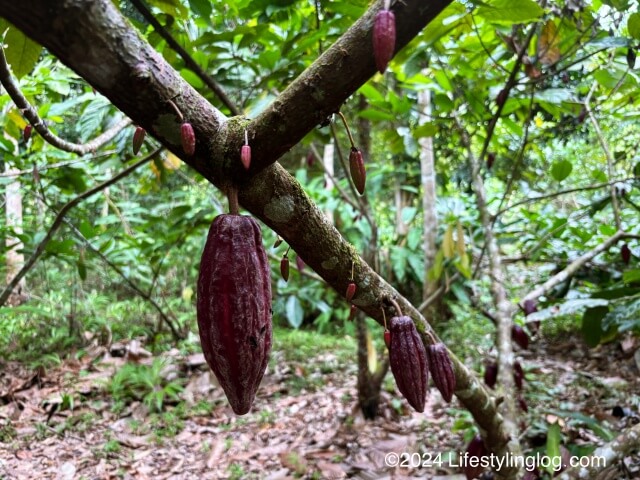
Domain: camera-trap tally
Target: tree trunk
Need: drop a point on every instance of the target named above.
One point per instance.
(14, 257)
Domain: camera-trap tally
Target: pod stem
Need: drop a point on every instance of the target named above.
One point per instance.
(177, 110)
(396, 306)
(232, 195)
(346, 125)
(384, 319)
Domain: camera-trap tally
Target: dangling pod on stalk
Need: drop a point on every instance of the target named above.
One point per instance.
(234, 305)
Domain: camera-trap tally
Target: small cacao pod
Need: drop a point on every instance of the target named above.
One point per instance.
(491, 157)
(384, 38)
(352, 311)
(475, 449)
(441, 368)
(519, 336)
(387, 338)
(351, 291)
(234, 307)
(284, 268)
(631, 58)
(529, 307)
(245, 156)
(625, 253)
(188, 138)
(300, 263)
(278, 242)
(491, 374)
(522, 404)
(357, 170)
(408, 360)
(138, 138)
(518, 375)
(26, 133)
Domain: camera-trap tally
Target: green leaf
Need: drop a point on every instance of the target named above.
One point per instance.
(633, 25)
(561, 169)
(592, 325)
(22, 53)
(201, 8)
(631, 276)
(295, 314)
(371, 114)
(510, 11)
(425, 130)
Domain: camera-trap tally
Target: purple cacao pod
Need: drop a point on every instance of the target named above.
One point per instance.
(408, 360)
(26, 133)
(284, 268)
(518, 375)
(491, 374)
(234, 307)
(384, 38)
(245, 156)
(625, 253)
(519, 336)
(188, 138)
(475, 449)
(441, 368)
(138, 138)
(357, 170)
(351, 291)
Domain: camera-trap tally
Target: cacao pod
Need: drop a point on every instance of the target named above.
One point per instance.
(518, 375)
(387, 338)
(357, 170)
(26, 133)
(284, 268)
(631, 58)
(138, 138)
(408, 360)
(491, 157)
(491, 374)
(300, 263)
(529, 307)
(523, 404)
(352, 312)
(245, 156)
(625, 253)
(234, 307)
(188, 138)
(475, 449)
(384, 38)
(351, 291)
(519, 336)
(441, 368)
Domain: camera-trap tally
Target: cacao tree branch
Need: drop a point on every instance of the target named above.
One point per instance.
(559, 193)
(57, 222)
(607, 455)
(31, 114)
(188, 59)
(571, 269)
(138, 81)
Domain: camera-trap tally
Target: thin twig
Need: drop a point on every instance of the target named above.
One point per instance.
(188, 60)
(31, 114)
(39, 250)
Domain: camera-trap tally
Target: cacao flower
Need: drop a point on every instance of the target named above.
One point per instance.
(284, 268)
(518, 375)
(234, 307)
(384, 38)
(188, 138)
(138, 138)
(475, 449)
(491, 374)
(26, 133)
(357, 170)
(625, 253)
(519, 336)
(441, 368)
(408, 360)
(245, 156)
(351, 291)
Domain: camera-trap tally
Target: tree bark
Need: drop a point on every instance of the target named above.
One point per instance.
(93, 38)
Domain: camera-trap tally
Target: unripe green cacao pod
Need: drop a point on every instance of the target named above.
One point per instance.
(234, 307)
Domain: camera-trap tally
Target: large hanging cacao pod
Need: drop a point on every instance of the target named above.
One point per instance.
(234, 307)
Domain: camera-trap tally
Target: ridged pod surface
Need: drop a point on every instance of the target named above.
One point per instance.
(234, 307)
(408, 360)
(384, 38)
(441, 368)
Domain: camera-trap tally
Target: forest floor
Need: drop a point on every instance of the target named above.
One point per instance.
(115, 413)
